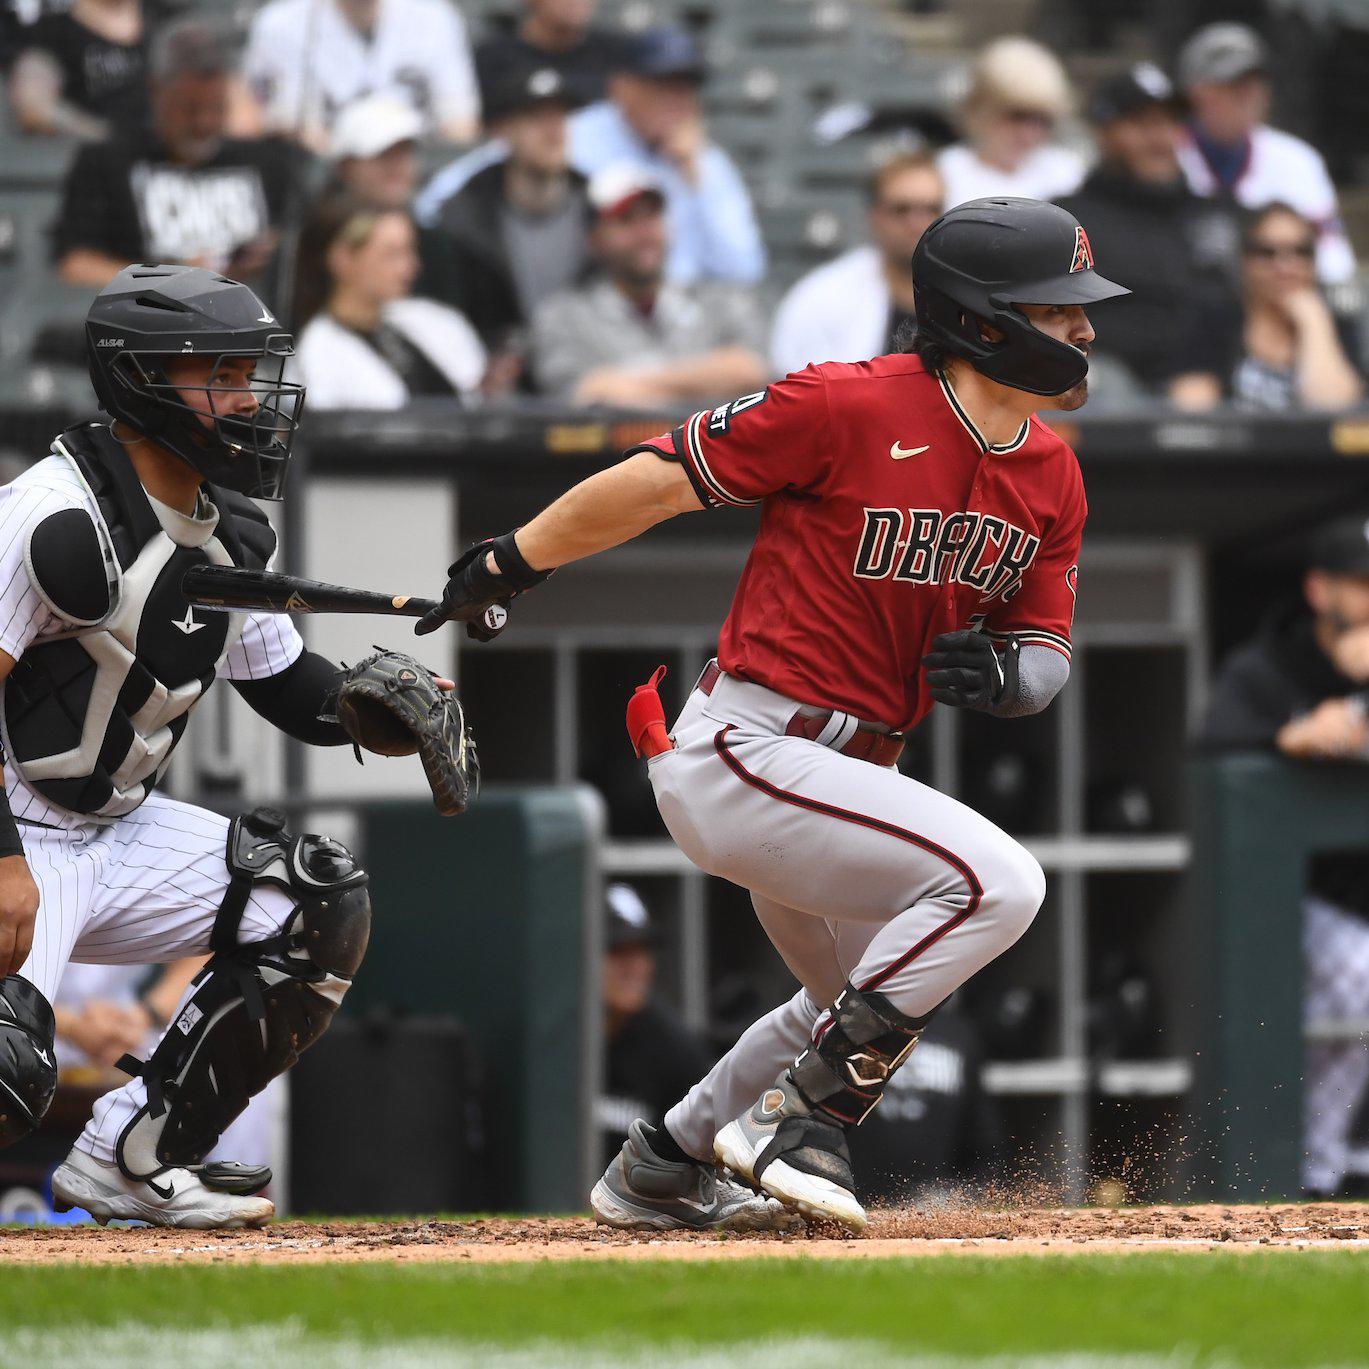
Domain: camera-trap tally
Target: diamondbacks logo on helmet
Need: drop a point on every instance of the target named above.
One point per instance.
(1083, 253)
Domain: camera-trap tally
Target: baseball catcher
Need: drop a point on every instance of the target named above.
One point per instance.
(103, 659)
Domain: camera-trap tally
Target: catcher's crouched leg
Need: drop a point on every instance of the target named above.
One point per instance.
(253, 1008)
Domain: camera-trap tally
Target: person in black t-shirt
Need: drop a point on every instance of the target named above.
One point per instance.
(517, 231)
(1176, 252)
(82, 71)
(1301, 688)
(653, 1058)
(178, 189)
(557, 34)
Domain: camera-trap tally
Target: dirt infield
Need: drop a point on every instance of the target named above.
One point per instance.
(904, 1232)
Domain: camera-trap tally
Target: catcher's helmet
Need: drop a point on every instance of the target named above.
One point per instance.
(983, 259)
(146, 316)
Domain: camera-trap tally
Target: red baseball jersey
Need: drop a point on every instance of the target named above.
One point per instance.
(886, 518)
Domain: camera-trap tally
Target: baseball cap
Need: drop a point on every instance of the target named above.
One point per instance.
(628, 922)
(374, 124)
(1139, 87)
(667, 51)
(1341, 546)
(512, 89)
(617, 187)
(1220, 53)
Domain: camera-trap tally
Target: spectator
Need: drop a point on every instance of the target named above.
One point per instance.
(1292, 355)
(653, 1058)
(375, 152)
(308, 59)
(1301, 687)
(365, 342)
(179, 190)
(855, 307)
(517, 231)
(630, 338)
(559, 34)
(82, 71)
(1017, 96)
(654, 119)
(1231, 152)
(1178, 334)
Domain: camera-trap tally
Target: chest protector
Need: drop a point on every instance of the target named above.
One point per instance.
(92, 714)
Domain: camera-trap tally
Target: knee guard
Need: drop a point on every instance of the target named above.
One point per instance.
(254, 1008)
(844, 1074)
(28, 1071)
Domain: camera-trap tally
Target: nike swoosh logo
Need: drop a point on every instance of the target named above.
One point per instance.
(901, 453)
(698, 1207)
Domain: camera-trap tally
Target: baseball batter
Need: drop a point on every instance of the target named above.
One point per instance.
(102, 660)
(919, 542)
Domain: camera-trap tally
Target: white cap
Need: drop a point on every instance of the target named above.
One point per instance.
(374, 124)
(615, 187)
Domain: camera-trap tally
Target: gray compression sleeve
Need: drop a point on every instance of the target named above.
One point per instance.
(1041, 675)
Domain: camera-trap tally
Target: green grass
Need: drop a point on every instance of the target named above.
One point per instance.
(1276, 1308)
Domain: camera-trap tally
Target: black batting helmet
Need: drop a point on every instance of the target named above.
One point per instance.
(979, 262)
(148, 315)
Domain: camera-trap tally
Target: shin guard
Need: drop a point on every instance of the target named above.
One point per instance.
(867, 1039)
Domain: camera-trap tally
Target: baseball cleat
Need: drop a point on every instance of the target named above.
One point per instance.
(794, 1154)
(642, 1192)
(174, 1198)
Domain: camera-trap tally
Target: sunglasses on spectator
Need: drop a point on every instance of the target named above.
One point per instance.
(1269, 251)
(1036, 117)
(927, 209)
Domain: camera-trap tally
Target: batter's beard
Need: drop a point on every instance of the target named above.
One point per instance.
(1073, 398)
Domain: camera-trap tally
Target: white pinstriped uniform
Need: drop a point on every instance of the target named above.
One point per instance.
(144, 887)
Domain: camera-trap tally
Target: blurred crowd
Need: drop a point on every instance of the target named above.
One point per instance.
(540, 210)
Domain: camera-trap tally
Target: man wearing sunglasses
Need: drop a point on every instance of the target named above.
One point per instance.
(102, 660)
(854, 307)
(1177, 333)
(1231, 153)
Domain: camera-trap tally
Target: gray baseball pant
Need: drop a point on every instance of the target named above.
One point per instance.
(856, 873)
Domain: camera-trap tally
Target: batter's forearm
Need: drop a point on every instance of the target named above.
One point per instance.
(1041, 675)
(606, 510)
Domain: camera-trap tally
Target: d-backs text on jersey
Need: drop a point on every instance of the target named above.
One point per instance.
(932, 547)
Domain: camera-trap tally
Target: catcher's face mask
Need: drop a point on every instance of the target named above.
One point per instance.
(232, 417)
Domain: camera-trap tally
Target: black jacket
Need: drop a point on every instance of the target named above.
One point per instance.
(1278, 675)
(1176, 253)
(466, 261)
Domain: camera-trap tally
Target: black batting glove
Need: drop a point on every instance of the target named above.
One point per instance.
(478, 596)
(966, 671)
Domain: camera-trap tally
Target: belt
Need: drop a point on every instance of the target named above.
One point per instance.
(867, 743)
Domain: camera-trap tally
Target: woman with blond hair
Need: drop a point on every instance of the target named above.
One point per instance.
(1017, 97)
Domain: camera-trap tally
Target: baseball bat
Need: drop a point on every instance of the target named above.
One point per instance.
(229, 588)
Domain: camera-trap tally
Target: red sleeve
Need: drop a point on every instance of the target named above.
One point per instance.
(775, 439)
(1041, 612)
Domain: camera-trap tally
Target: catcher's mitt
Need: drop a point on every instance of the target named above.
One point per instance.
(391, 704)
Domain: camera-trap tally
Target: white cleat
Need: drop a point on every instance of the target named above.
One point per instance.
(175, 1198)
(814, 1176)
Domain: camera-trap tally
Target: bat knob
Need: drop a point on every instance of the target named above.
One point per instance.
(495, 617)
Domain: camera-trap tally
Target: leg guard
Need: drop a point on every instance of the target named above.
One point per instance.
(867, 1040)
(28, 1071)
(252, 1009)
